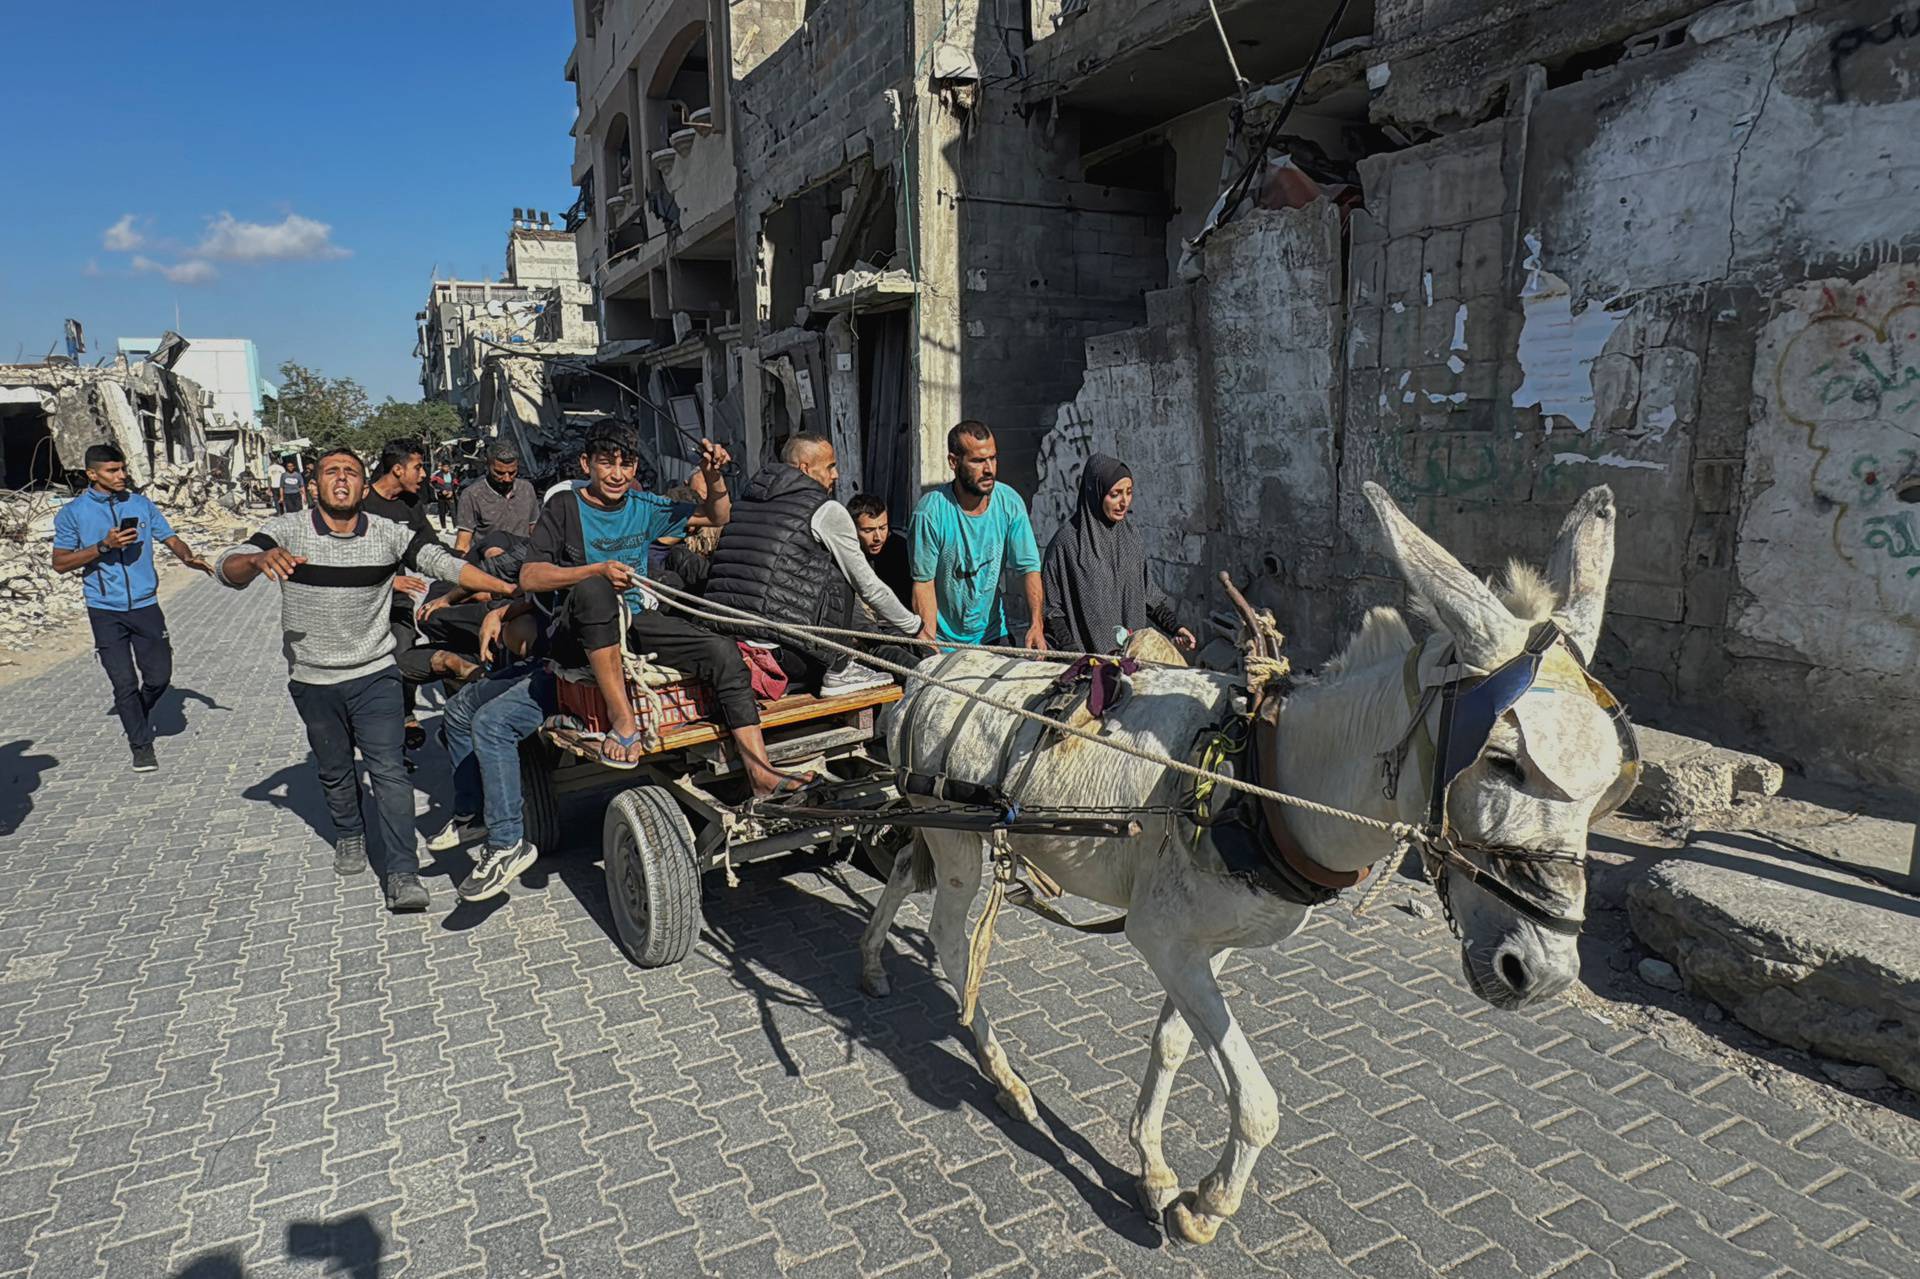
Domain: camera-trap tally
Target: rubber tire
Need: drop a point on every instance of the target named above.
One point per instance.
(651, 868)
(539, 806)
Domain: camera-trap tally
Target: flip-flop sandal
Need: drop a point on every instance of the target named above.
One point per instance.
(625, 742)
(789, 790)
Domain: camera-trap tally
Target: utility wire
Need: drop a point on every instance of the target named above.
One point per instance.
(1239, 188)
(575, 365)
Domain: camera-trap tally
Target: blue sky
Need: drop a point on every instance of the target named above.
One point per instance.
(294, 173)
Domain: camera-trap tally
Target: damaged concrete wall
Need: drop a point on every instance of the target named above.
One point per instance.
(1224, 407)
(1046, 263)
(1610, 323)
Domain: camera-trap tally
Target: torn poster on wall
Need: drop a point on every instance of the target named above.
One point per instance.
(1558, 346)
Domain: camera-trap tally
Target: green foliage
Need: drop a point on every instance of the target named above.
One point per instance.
(429, 421)
(334, 412)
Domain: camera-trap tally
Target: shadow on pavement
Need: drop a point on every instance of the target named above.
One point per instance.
(351, 1246)
(169, 714)
(20, 775)
(754, 929)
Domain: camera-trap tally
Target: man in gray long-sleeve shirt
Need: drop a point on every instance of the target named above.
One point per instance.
(336, 566)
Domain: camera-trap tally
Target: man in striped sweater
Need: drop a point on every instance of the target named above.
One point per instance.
(336, 565)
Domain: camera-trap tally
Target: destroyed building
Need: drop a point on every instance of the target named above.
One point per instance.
(511, 355)
(655, 165)
(1489, 253)
(51, 412)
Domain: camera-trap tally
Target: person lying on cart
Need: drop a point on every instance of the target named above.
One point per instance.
(450, 621)
(593, 543)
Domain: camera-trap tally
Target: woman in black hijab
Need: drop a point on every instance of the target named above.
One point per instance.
(1095, 576)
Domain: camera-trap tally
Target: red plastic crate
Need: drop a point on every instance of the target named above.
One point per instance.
(681, 703)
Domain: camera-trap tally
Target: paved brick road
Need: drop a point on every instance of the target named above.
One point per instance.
(216, 1059)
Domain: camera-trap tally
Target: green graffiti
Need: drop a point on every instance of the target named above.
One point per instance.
(1871, 479)
(1895, 535)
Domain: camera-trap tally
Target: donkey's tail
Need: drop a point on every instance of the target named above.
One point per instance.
(923, 873)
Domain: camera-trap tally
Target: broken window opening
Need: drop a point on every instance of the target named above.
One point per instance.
(683, 85)
(27, 455)
(796, 234)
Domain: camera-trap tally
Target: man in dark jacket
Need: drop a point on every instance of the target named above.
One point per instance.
(790, 554)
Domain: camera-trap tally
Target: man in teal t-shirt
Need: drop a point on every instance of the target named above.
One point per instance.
(964, 536)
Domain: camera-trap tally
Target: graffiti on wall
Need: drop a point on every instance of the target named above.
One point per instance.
(1830, 532)
(1901, 26)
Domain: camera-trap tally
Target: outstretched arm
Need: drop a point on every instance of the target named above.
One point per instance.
(184, 553)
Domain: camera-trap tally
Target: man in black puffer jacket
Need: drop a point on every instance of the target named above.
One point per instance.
(790, 554)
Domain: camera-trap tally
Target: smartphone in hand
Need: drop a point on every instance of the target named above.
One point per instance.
(130, 524)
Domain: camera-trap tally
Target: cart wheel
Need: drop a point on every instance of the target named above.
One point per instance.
(652, 876)
(876, 855)
(539, 804)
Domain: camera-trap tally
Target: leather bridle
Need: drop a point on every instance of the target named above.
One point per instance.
(1470, 705)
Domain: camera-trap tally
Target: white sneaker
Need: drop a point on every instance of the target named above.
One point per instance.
(497, 868)
(851, 677)
(461, 830)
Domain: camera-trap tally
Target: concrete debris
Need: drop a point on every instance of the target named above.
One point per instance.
(1417, 908)
(148, 411)
(1684, 778)
(1660, 975)
(1797, 950)
(1858, 1078)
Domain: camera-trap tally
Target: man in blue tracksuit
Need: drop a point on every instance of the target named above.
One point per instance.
(106, 535)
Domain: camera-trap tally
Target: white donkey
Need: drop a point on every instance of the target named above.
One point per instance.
(1534, 782)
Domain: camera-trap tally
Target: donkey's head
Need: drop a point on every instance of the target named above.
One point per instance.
(1535, 743)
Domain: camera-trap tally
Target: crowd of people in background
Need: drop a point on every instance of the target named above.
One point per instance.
(570, 583)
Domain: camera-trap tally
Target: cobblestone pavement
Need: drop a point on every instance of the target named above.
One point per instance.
(217, 1059)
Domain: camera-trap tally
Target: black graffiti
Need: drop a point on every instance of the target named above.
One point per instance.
(1901, 26)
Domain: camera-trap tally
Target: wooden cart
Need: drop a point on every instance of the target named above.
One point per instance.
(686, 809)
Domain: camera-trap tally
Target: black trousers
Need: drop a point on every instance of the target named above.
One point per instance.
(589, 620)
(456, 629)
(364, 713)
(122, 640)
(415, 662)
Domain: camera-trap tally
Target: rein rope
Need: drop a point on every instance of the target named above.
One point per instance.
(694, 606)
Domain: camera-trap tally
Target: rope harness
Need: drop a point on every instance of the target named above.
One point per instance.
(1458, 745)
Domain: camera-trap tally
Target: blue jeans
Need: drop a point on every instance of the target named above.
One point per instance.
(485, 723)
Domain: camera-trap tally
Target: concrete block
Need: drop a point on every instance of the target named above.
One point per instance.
(1409, 208)
(1441, 259)
(1483, 258)
(1366, 274)
(1400, 337)
(1683, 777)
(1793, 948)
(1405, 264)
(1436, 326)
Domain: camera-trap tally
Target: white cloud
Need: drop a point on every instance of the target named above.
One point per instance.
(121, 237)
(92, 269)
(191, 271)
(291, 239)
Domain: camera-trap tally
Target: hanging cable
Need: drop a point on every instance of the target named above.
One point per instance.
(1240, 84)
(1237, 191)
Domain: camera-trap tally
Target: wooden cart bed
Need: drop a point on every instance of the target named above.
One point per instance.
(795, 708)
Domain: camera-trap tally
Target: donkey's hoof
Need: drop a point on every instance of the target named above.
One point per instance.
(1019, 1104)
(1190, 1224)
(876, 985)
(1156, 1193)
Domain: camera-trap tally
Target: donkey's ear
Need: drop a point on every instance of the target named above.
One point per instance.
(1478, 623)
(1581, 563)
